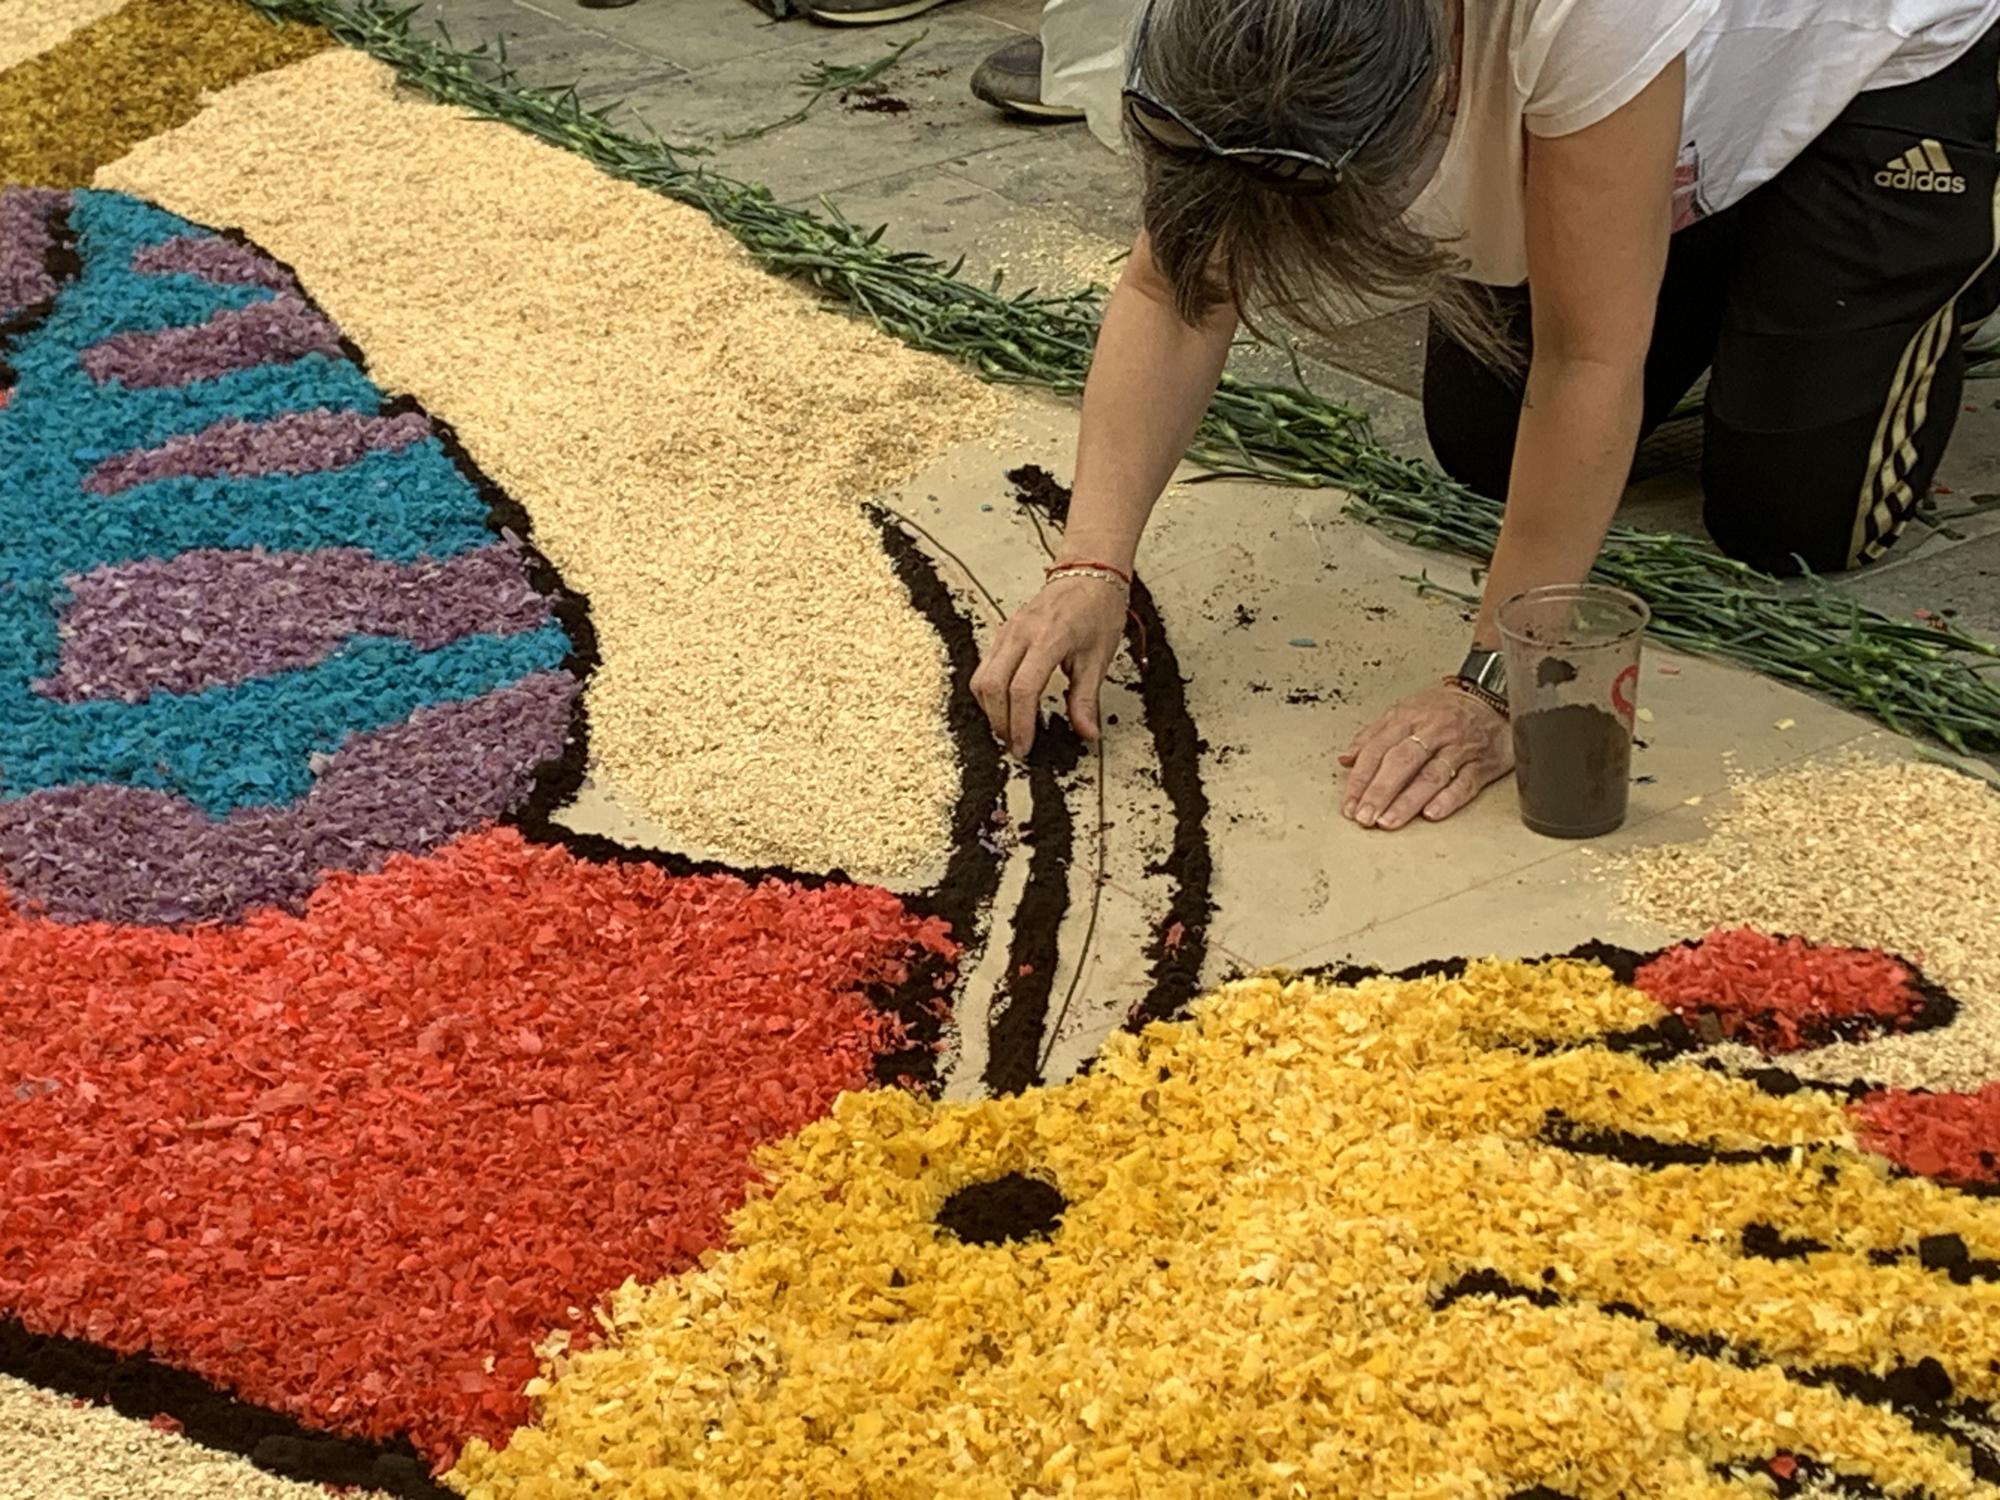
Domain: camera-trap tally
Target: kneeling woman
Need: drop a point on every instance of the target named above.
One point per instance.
(1600, 199)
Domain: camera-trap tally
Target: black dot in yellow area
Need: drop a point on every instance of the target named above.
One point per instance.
(1006, 1210)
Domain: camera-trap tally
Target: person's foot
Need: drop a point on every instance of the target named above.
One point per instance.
(1011, 80)
(866, 12)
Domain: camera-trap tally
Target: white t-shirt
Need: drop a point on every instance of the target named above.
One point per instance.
(1765, 77)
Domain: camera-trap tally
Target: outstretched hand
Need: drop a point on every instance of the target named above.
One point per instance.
(1074, 624)
(1428, 756)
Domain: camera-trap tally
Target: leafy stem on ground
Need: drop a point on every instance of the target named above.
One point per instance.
(1919, 678)
(824, 78)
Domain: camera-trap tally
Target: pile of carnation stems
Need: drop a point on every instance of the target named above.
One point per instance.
(1920, 678)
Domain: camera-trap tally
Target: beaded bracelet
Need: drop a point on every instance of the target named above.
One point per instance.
(1104, 572)
(1473, 690)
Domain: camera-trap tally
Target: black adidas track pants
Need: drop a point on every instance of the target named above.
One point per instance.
(1828, 305)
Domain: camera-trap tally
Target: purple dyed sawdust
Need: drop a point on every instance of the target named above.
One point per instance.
(215, 259)
(272, 332)
(208, 617)
(128, 854)
(26, 235)
(310, 442)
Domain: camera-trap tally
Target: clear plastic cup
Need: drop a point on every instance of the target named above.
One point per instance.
(1573, 693)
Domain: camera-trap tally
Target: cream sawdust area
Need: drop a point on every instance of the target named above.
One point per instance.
(32, 29)
(692, 441)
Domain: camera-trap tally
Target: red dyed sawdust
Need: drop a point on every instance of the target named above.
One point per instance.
(353, 1164)
(1779, 994)
(1952, 1137)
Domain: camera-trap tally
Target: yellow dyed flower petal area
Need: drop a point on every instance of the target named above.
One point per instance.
(1316, 1241)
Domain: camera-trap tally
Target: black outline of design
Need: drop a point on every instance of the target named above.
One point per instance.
(1178, 950)
(62, 265)
(1020, 1013)
(1922, 1394)
(141, 1388)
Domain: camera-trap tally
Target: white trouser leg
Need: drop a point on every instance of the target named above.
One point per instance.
(1083, 60)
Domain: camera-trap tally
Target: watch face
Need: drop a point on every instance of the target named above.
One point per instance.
(1486, 668)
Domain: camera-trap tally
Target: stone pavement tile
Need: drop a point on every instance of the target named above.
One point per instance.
(693, 34)
(551, 49)
(603, 69)
(1963, 584)
(838, 144)
(1972, 462)
(473, 21)
(1062, 167)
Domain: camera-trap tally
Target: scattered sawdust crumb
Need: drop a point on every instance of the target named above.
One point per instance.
(1054, 256)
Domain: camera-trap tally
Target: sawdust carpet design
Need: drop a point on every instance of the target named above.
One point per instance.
(337, 1080)
(290, 700)
(278, 664)
(1469, 1233)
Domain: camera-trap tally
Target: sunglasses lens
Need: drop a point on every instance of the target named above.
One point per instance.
(1287, 171)
(1159, 124)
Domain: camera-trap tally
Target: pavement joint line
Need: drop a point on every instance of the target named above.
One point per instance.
(806, 200)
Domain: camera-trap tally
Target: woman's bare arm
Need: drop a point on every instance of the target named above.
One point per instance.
(1150, 382)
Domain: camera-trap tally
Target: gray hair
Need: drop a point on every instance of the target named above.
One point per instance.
(1304, 75)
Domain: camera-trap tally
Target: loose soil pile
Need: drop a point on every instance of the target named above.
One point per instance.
(1574, 766)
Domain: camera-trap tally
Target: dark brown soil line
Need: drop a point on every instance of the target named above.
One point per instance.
(140, 1387)
(963, 897)
(1021, 1011)
(1921, 1394)
(1178, 950)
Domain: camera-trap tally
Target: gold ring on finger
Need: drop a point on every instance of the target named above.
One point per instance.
(1417, 740)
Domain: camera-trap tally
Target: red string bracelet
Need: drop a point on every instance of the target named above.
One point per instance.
(1061, 569)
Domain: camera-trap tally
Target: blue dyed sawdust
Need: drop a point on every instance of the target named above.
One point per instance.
(246, 744)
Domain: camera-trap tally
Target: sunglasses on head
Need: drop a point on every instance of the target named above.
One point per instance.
(1276, 166)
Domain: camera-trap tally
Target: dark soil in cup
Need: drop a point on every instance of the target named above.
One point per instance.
(1573, 765)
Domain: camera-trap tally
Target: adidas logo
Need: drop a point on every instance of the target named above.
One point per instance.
(1924, 168)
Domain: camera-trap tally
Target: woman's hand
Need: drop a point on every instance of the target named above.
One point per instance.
(1074, 623)
(1430, 754)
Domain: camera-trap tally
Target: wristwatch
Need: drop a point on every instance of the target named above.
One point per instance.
(1483, 674)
